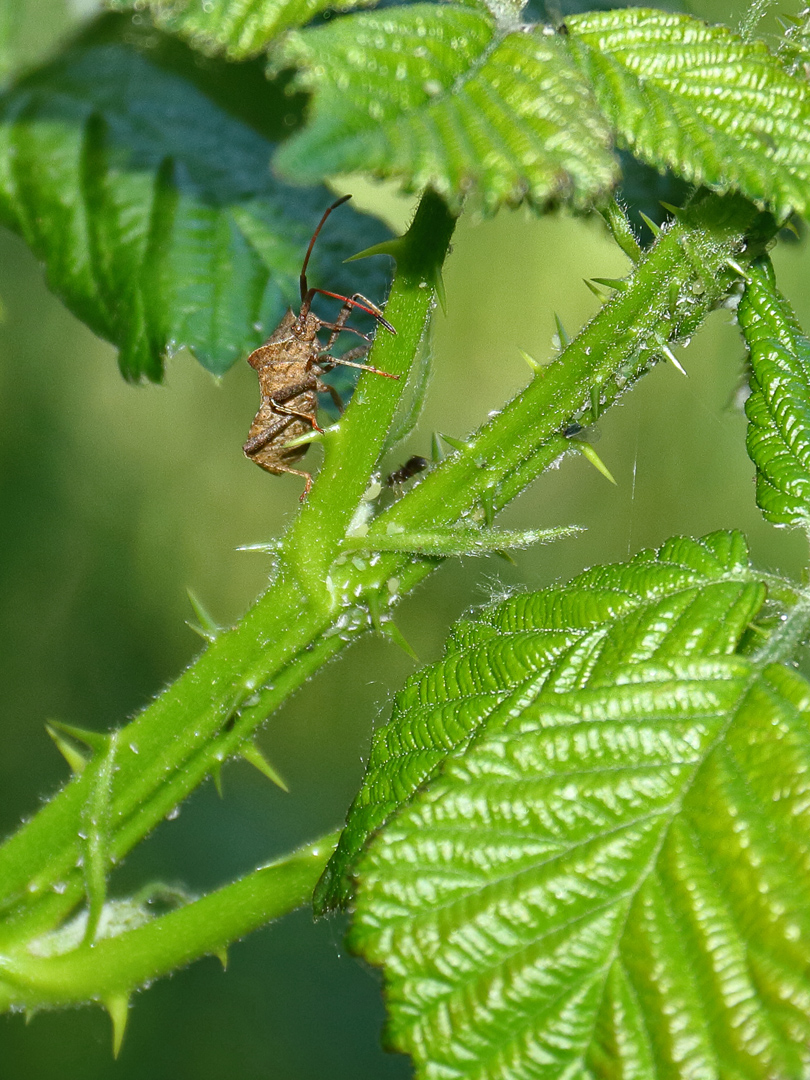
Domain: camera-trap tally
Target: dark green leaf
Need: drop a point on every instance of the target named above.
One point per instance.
(134, 173)
(499, 663)
(610, 879)
(699, 100)
(436, 95)
(778, 409)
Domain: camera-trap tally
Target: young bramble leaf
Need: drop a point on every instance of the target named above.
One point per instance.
(236, 28)
(598, 879)
(778, 409)
(127, 170)
(592, 875)
(501, 661)
(437, 95)
(442, 95)
(699, 100)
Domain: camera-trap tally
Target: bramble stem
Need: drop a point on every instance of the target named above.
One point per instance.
(322, 597)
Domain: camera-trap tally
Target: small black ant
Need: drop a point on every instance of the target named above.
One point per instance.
(411, 468)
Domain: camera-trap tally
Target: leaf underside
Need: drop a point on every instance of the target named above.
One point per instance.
(778, 410)
(151, 203)
(611, 877)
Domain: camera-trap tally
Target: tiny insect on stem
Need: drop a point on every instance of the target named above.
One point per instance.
(412, 467)
(289, 365)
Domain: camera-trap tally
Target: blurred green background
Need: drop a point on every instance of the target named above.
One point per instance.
(114, 499)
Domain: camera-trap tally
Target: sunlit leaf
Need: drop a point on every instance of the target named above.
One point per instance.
(437, 95)
(611, 879)
(236, 28)
(699, 100)
(142, 181)
(778, 409)
(445, 95)
(498, 663)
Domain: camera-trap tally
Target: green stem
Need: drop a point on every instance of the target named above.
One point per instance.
(244, 674)
(118, 965)
(322, 598)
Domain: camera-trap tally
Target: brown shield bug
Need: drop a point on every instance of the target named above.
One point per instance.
(289, 366)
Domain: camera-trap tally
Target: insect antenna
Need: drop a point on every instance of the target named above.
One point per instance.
(350, 301)
(326, 213)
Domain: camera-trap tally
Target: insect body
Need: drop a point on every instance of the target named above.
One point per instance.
(412, 467)
(289, 366)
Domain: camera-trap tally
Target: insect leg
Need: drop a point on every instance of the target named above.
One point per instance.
(352, 354)
(271, 432)
(340, 324)
(278, 467)
(347, 360)
(350, 301)
(325, 388)
(309, 417)
(296, 472)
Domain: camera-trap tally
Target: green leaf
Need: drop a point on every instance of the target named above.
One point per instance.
(611, 879)
(447, 96)
(698, 99)
(501, 661)
(130, 170)
(237, 28)
(778, 409)
(437, 95)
